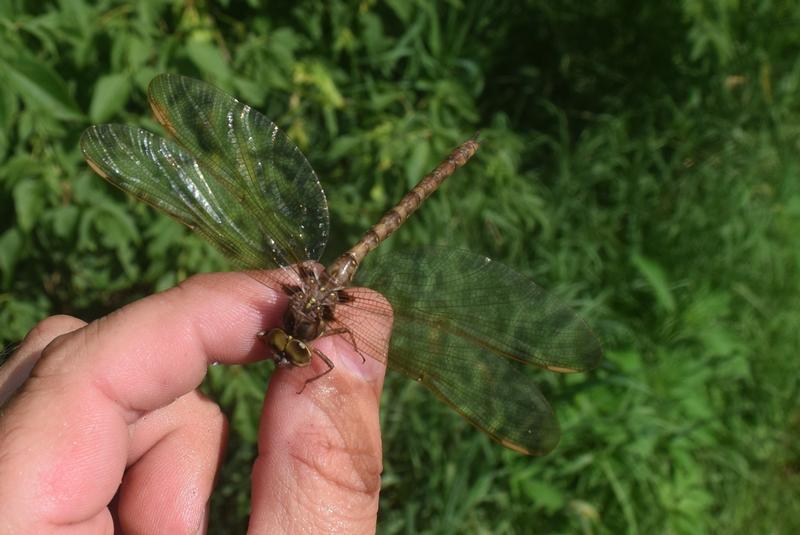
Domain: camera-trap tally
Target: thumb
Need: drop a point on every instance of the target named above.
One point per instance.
(319, 461)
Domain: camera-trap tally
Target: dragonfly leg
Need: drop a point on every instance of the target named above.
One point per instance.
(343, 330)
(327, 361)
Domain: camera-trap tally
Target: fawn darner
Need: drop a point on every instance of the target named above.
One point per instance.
(464, 325)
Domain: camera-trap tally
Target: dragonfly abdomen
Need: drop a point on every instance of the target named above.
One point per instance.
(343, 269)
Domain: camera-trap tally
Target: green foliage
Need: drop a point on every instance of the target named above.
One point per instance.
(640, 161)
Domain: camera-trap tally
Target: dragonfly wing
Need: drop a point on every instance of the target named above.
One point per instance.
(363, 316)
(491, 393)
(249, 155)
(162, 174)
(465, 326)
(231, 167)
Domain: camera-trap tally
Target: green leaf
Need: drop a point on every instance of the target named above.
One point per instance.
(29, 202)
(4, 142)
(657, 279)
(629, 361)
(417, 162)
(18, 317)
(110, 94)
(138, 51)
(8, 107)
(320, 77)
(40, 86)
(10, 245)
(65, 218)
(402, 9)
(209, 59)
(8, 112)
(544, 496)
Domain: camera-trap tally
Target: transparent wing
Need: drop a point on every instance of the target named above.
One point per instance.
(465, 326)
(162, 174)
(363, 315)
(232, 175)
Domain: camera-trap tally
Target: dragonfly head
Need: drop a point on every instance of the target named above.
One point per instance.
(286, 350)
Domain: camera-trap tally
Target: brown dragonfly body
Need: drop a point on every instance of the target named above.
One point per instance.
(312, 302)
(467, 327)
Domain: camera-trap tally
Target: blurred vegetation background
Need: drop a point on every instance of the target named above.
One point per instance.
(640, 161)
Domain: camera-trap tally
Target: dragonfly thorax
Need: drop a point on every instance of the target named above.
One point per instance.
(311, 305)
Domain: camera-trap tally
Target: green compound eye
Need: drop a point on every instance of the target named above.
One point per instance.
(298, 353)
(277, 339)
(288, 348)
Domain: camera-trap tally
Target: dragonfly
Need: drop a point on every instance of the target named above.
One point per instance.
(465, 326)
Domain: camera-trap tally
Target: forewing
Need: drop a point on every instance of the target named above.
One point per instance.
(161, 173)
(246, 152)
(465, 325)
(363, 316)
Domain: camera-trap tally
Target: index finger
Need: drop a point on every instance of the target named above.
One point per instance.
(146, 354)
(64, 436)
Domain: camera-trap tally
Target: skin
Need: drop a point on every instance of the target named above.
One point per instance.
(102, 425)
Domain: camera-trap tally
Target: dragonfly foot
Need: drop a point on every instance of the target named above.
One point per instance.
(327, 361)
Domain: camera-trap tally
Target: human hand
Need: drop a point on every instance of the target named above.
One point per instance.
(106, 427)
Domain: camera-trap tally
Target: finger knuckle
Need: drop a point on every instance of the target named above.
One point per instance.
(52, 327)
